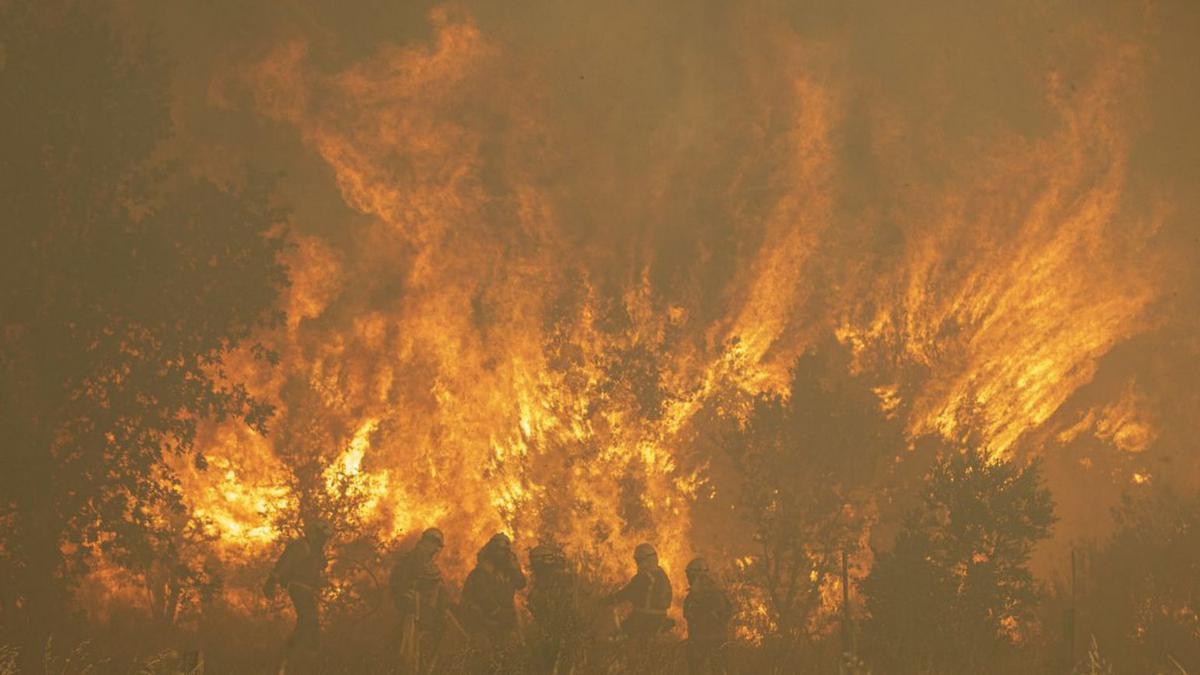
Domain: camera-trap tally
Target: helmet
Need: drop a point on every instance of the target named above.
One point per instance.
(500, 540)
(697, 566)
(433, 536)
(546, 555)
(644, 551)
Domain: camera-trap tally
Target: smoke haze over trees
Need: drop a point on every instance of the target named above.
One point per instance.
(771, 283)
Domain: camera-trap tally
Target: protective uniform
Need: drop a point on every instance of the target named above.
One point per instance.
(707, 610)
(553, 596)
(418, 594)
(299, 570)
(488, 591)
(649, 593)
(554, 603)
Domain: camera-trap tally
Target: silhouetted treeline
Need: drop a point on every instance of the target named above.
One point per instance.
(124, 282)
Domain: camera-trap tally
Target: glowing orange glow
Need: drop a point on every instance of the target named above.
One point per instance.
(1048, 289)
(485, 374)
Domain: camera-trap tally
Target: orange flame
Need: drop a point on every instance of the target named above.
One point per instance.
(489, 370)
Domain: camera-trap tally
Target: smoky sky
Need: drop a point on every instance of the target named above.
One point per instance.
(670, 97)
(636, 85)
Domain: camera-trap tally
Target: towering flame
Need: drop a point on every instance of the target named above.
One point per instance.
(1020, 274)
(509, 326)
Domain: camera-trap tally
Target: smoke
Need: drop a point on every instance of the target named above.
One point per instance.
(531, 240)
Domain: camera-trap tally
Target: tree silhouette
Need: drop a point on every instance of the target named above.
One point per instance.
(310, 436)
(953, 593)
(124, 283)
(1143, 603)
(807, 462)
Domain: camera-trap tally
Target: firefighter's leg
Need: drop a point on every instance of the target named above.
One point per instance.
(302, 645)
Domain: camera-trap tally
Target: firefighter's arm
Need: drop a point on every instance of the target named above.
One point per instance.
(403, 585)
(518, 577)
(282, 570)
(630, 591)
(474, 600)
(511, 571)
(489, 606)
(396, 585)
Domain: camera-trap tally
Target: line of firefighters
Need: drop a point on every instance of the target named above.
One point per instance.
(487, 613)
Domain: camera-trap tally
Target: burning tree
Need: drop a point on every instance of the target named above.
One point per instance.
(311, 441)
(323, 458)
(808, 459)
(126, 283)
(952, 594)
(617, 390)
(165, 545)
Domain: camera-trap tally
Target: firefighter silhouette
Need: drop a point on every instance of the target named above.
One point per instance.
(649, 595)
(300, 570)
(488, 593)
(420, 598)
(708, 611)
(554, 602)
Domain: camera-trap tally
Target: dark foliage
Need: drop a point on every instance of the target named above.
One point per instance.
(808, 461)
(124, 283)
(1143, 600)
(953, 594)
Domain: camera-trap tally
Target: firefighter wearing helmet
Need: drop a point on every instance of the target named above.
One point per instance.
(300, 570)
(416, 587)
(708, 611)
(488, 592)
(554, 602)
(649, 595)
(551, 596)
